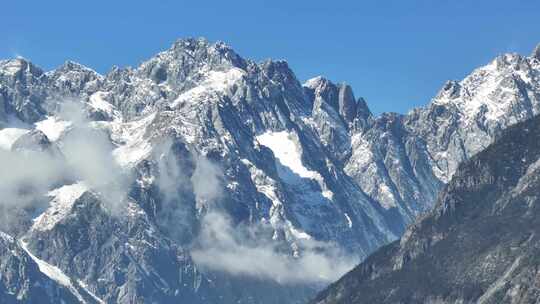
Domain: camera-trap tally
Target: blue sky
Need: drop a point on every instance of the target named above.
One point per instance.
(396, 54)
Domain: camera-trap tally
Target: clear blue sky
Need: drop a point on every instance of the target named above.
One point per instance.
(397, 54)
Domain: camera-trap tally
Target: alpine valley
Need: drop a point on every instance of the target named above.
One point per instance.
(203, 177)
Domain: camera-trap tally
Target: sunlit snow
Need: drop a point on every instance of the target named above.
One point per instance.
(11, 67)
(286, 150)
(134, 147)
(8, 136)
(61, 203)
(98, 102)
(52, 127)
(215, 82)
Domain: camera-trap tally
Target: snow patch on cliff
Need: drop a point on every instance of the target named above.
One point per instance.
(53, 127)
(98, 101)
(133, 146)
(8, 136)
(63, 199)
(287, 151)
(215, 83)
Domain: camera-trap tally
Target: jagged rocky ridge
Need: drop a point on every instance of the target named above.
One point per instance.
(478, 245)
(304, 164)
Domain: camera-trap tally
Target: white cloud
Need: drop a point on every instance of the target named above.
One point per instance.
(242, 251)
(26, 176)
(249, 250)
(207, 181)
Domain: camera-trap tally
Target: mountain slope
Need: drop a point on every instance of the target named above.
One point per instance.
(480, 243)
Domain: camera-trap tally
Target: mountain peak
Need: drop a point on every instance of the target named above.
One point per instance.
(190, 56)
(314, 82)
(17, 65)
(277, 69)
(201, 46)
(347, 103)
(536, 52)
(72, 66)
(190, 43)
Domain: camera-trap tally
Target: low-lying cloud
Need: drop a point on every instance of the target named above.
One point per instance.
(176, 213)
(86, 155)
(238, 250)
(207, 182)
(249, 250)
(25, 174)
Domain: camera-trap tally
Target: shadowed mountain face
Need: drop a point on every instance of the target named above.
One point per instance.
(200, 172)
(480, 244)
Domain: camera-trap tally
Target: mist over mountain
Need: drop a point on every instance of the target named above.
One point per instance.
(204, 177)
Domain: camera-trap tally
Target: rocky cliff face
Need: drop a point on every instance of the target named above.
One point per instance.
(136, 173)
(478, 245)
(27, 279)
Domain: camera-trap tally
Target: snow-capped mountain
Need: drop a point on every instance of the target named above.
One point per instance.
(200, 172)
(478, 245)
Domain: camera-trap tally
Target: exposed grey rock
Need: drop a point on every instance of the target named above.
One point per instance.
(347, 103)
(536, 52)
(22, 90)
(21, 280)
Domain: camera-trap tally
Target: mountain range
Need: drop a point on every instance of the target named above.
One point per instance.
(204, 177)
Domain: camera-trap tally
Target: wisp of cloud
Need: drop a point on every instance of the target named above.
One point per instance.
(239, 250)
